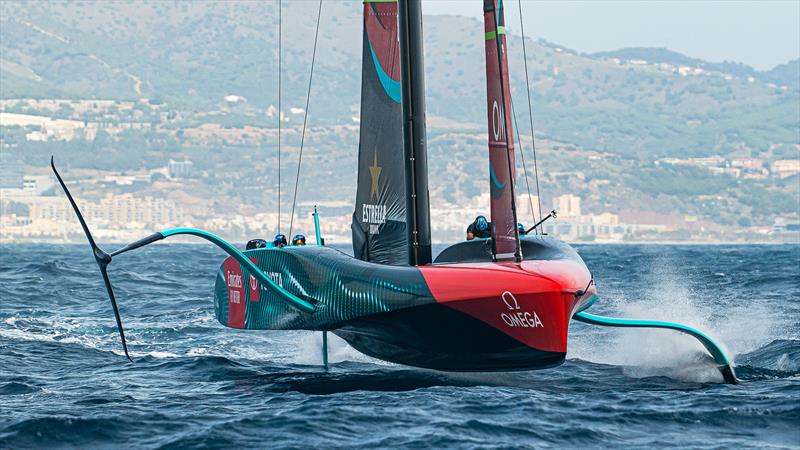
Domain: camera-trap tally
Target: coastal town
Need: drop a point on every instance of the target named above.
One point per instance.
(35, 210)
(144, 163)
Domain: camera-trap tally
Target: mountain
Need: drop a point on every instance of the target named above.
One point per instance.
(193, 54)
(611, 116)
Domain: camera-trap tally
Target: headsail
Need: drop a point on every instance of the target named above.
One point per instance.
(379, 220)
(501, 142)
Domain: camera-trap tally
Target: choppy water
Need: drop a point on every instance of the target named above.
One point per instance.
(64, 383)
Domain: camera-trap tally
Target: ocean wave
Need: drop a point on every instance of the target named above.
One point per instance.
(64, 380)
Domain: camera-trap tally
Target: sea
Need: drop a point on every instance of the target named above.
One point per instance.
(64, 382)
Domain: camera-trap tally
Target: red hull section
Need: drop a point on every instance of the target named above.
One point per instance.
(531, 302)
(232, 272)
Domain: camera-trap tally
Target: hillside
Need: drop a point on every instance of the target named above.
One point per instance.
(612, 117)
(193, 55)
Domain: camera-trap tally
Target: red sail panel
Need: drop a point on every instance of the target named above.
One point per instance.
(501, 141)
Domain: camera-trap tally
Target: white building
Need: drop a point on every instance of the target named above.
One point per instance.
(567, 205)
(179, 169)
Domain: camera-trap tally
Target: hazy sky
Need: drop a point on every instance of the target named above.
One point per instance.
(758, 33)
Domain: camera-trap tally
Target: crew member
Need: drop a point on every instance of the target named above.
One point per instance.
(298, 240)
(255, 243)
(521, 229)
(279, 241)
(479, 229)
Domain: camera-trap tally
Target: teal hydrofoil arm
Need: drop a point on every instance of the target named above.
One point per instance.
(227, 247)
(715, 350)
(293, 300)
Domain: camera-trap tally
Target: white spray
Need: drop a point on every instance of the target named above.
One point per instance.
(739, 328)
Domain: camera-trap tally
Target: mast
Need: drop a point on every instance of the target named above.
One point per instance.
(505, 236)
(412, 81)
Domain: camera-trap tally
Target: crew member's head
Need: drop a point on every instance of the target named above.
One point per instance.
(280, 240)
(256, 243)
(521, 229)
(481, 224)
(299, 239)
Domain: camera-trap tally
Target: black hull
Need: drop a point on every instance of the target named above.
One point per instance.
(440, 338)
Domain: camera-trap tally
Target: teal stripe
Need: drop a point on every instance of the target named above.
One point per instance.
(285, 295)
(495, 181)
(391, 86)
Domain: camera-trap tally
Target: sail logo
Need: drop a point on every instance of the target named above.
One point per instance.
(518, 318)
(375, 177)
(374, 215)
(498, 122)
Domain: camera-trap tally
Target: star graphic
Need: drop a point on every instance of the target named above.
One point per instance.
(375, 172)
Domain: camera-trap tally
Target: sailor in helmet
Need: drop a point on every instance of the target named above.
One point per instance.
(521, 229)
(479, 229)
(255, 243)
(298, 240)
(279, 241)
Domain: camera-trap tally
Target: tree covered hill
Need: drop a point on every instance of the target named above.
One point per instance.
(644, 103)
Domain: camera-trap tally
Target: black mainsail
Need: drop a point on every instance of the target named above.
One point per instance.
(379, 220)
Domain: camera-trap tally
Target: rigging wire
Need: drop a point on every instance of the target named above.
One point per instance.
(522, 154)
(280, 57)
(530, 109)
(305, 118)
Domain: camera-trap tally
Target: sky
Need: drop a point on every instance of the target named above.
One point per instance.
(761, 34)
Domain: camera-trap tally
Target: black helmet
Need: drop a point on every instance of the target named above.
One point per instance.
(299, 239)
(280, 240)
(255, 243)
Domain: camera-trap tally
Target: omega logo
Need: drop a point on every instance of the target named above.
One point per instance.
(517, 318)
